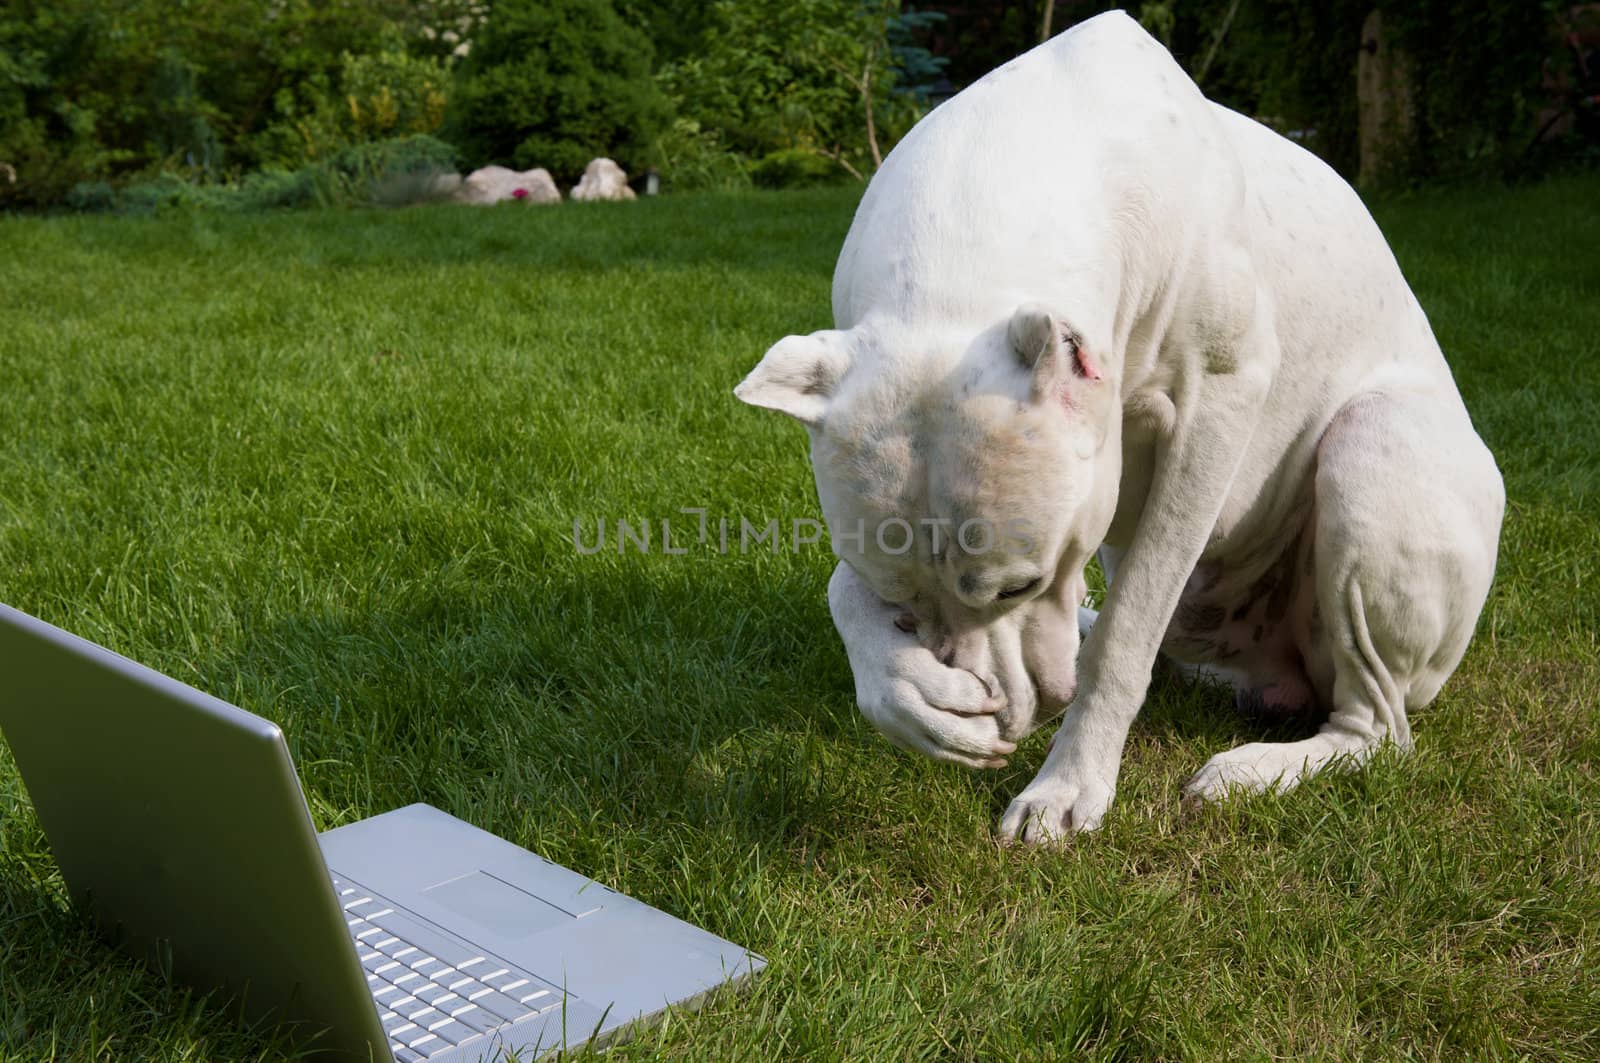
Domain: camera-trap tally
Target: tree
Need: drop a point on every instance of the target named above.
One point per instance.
(555, 83)
(815, 77)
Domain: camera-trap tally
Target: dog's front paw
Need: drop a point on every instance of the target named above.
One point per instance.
(1253, 768)
(1061, 801)
(926, 707)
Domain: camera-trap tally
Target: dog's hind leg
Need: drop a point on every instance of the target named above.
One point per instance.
(1408, 510)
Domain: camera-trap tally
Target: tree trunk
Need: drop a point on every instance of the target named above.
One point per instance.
(1383, 103)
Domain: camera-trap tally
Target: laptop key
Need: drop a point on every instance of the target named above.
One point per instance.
(393, 946)
(427, 1016)
(453, 1032)
(432, 993)
(403, 1054)
(503, 1006)
(506, 982)
(475, 1018)
(426, 940)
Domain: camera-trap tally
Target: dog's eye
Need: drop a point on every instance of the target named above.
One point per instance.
(1017, 592)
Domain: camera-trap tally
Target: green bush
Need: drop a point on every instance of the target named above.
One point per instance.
(692, 157)
(383, 173)
(91, 91)
(375, 97)
(795, 168)
(555, 83)
(800, 76)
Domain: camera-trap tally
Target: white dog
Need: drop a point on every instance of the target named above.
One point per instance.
(1081, 307)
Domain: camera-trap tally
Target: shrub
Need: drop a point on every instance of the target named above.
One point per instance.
(554, 83)
(692, 157)
(795, 168)
(818, 77)
(375, 97)
(92, 92)
(383, 173)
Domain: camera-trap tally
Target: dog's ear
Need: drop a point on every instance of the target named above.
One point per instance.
(798, 375)
(1053, 350)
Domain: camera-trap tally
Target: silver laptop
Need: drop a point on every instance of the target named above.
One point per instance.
(180, 825)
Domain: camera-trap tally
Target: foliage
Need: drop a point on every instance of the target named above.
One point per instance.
(380, 173)
(675, 27)
(794, 168)
(693, 157)
(214, 90)
(917, 70)
(379, 96)
(1476, 65)
(555, 83)
(813, 76)
(206, 89)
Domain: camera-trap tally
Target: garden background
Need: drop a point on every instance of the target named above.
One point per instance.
(131, 104)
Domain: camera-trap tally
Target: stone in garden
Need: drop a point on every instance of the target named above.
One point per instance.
(495, 184)
(603, 179)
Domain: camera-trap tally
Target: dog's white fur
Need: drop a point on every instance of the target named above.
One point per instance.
(1081, 294)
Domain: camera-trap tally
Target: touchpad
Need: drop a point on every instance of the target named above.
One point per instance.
(496, 905)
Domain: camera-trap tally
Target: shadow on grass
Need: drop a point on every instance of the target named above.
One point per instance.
(58, 975)
(578, 717)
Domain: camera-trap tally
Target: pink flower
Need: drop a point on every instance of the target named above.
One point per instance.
(519, 193)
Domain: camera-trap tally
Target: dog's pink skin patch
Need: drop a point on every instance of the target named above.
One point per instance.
(1087, 366)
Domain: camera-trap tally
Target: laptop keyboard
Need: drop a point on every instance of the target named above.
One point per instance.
(434, 991)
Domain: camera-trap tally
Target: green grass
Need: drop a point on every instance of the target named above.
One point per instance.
(326, 466)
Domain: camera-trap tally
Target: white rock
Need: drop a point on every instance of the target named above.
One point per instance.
(495, 184)
(603, 179)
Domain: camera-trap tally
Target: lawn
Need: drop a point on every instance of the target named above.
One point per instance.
(327, 466)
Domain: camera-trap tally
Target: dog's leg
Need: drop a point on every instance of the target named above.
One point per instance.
(907, 693)
(1212, 415)
(1408, 516)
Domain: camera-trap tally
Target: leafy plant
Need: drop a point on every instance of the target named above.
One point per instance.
(380, 173)
(813, 76)
(555, 83)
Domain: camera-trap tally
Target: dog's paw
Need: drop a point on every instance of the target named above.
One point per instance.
(1253, 768)
(944, 713)
(1057, 804)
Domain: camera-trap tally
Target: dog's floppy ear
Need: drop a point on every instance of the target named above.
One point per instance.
(798, 375)
(1053, 349)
